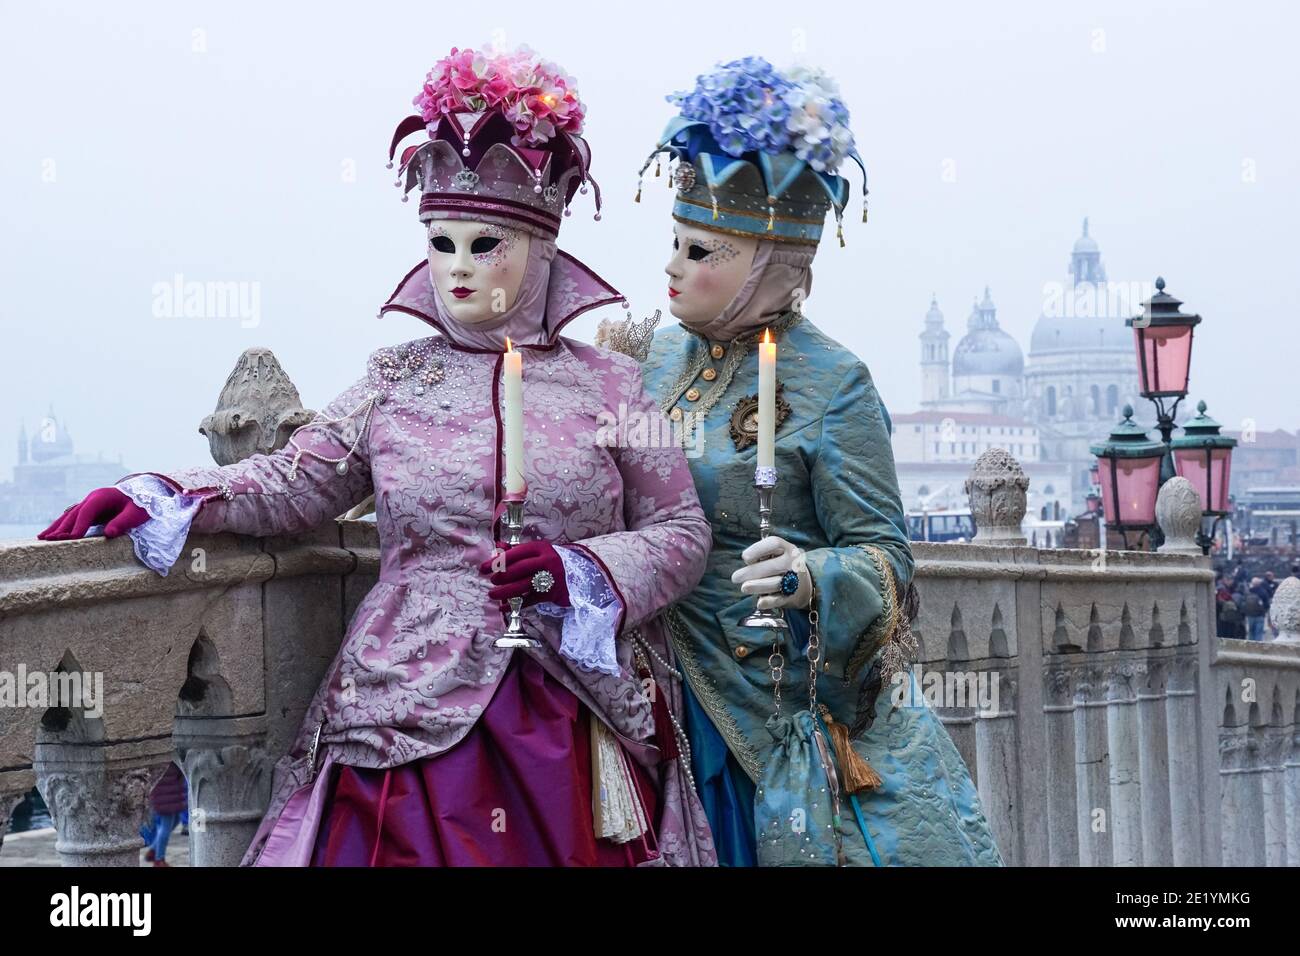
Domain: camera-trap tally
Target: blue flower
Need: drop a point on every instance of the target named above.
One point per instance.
(744, 105)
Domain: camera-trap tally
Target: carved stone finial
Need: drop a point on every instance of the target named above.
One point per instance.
(1178, 512)
(1285, 611)
(257, 411)
(996, 487)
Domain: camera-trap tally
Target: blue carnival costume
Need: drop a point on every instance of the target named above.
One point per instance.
(756, 153)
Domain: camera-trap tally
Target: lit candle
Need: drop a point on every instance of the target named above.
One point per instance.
(766, 400)
(514, 419)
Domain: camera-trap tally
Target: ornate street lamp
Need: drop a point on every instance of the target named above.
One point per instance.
(1129, 465)
(1162, 336)
(1204, 457)
(1092, 500)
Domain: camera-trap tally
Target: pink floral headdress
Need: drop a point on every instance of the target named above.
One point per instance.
(504, 141)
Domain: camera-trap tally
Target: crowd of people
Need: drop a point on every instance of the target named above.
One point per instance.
(1243, 601)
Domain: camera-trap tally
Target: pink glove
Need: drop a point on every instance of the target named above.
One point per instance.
(522, 562)
(107, 506)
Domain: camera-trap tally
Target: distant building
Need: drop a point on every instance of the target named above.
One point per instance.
(1045, 410)
(50, 475)
(1264, 459)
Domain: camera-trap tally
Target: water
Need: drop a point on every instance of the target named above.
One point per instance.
(20, 532)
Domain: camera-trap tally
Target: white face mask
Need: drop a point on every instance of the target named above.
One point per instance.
(706, 271)
(477, 267)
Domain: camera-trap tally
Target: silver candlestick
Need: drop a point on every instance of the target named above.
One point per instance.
(765, 482)
(514, 635)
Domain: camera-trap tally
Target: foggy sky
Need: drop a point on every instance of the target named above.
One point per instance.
(989, 132)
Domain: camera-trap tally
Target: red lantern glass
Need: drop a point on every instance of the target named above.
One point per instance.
(1209, 470)
(1164, 356)
(1135, 481)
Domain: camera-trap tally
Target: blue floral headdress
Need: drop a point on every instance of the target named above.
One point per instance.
(758, 152)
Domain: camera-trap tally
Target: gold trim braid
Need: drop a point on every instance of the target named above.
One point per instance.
(709, 697)
(890, 633)
(773, 237)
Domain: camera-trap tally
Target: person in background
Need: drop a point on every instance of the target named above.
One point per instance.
(1228, 615)
(1255, 607)
(169, 800)
(1270, 585)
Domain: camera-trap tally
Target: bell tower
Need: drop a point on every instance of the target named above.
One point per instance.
(935, 380)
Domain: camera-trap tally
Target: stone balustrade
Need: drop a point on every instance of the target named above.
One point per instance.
(1123, 731)
(1104, 722)
(213, 665)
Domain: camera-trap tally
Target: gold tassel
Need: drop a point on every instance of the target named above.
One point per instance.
(715, 203)
(656, 168)
(839, 233)
(855, 773)
(638, 191)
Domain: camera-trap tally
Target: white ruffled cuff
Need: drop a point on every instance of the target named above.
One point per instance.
(158, 542)
(591, 623)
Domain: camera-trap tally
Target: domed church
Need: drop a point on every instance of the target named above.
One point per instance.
(1080, 372)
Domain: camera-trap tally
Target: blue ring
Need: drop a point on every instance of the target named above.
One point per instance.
(789, 582)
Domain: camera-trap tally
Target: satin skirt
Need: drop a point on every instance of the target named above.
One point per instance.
(517, 791)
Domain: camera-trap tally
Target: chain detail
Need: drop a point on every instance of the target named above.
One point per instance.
(814, 649)
(340, 464)
(643, 654)
(776, 663)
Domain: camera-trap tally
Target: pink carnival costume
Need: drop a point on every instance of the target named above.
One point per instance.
(426, 744)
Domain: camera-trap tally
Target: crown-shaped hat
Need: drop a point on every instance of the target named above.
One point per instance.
(758, 151)
(503, 145)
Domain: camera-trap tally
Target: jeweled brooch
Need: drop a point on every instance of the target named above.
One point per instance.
(744, 420)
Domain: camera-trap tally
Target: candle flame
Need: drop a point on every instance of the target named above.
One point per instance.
(767, 336)
(509, 347)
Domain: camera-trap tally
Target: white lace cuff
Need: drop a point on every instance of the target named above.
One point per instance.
(589, 627)
(159, 540)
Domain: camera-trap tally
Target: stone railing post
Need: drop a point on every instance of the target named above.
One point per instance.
(1125, 780)
(98, 801)
(996, 488)
(1184, 770)
(257, 410)
(1178, 512)
(229, 774)
(1285, 611)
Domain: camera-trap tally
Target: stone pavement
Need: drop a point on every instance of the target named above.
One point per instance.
(36, 848)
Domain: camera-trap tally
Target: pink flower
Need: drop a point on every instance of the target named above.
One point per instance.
(496, 89)
(535, 95)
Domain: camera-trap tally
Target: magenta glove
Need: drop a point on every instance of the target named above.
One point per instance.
(522, 562)
(107, 506)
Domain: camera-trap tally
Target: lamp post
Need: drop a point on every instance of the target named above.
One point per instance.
(1204, 457)
(1129, 465)
(1162, 335)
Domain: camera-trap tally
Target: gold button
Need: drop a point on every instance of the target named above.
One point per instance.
(717, 351)
(742, 651)
(692, 394)
(675, 414)
(710, 374)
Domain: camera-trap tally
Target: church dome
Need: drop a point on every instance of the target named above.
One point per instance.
(985, 351)
(1055, 333)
